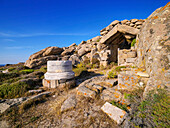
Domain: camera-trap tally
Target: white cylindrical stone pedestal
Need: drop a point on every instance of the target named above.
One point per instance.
(59, 75)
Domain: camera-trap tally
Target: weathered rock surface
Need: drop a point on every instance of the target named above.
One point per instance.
(82, 90)
(152, 46)
(111, 94)
(5, 104)
(69, 103)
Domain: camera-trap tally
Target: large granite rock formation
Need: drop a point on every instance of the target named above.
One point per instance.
(41, 57)
(153, 46)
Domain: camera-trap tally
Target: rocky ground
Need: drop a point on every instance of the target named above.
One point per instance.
(60, 109)
(138, 87)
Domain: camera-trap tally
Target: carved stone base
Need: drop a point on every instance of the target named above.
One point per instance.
(60, 84)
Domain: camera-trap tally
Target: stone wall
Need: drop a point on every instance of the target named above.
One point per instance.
(126, 57)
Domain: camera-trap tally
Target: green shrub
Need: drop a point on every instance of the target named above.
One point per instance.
(111, 74)
(13, 90)
(26, 71)
(11, 69)
(6, 76)
(119, 105)
(119, 67)
(156, 108)
(133, 42)
(80, 68)
(42, 69)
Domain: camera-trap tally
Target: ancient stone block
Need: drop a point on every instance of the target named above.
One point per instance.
(82, 90)
(130, 60)
(115, 22)
(114, 112)
(143, 74)
(103, 33)
(127, 81)
(124, 21)
(96, 39)
(111, 94)
(131, 54)
(139, 23)
(104, 63)
(133, 20)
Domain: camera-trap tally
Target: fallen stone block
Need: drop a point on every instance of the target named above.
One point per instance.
(143, 74)
(115, 113)
(68, 104)
(130, 60)
(131, 54)
(82, 90)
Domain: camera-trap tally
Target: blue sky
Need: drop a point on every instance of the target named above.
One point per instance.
(27, 26)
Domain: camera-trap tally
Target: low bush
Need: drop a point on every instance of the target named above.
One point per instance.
(121, 106)
(79, 69)
(26, 71)
(112, 74)
(156, 108)
(133, 42)
(153, 110)
(14, 90)
(6, 76)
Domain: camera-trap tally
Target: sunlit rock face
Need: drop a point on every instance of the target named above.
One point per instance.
(152, 46)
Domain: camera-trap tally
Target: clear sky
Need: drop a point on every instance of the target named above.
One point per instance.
(27, 26)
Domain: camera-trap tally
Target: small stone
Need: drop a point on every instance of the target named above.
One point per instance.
(115, 22)
(132, 25)
(139, 23)
(143, 74)
(114, 112)
(124, 21)
(134, 20)
(4, 107)
(141, 84)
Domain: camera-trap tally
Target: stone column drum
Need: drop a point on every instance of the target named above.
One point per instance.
(59, 75)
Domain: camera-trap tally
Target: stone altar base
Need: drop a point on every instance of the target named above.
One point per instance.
(60, 84)
(59, 75)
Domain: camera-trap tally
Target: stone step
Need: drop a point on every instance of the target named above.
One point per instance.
(111, 94)
(83, 90)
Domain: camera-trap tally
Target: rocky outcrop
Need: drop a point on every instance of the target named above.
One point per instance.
(153, 48)
(135, 23)
(100, 50)
(41, 57)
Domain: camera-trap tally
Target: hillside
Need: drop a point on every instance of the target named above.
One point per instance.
(121, 80)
